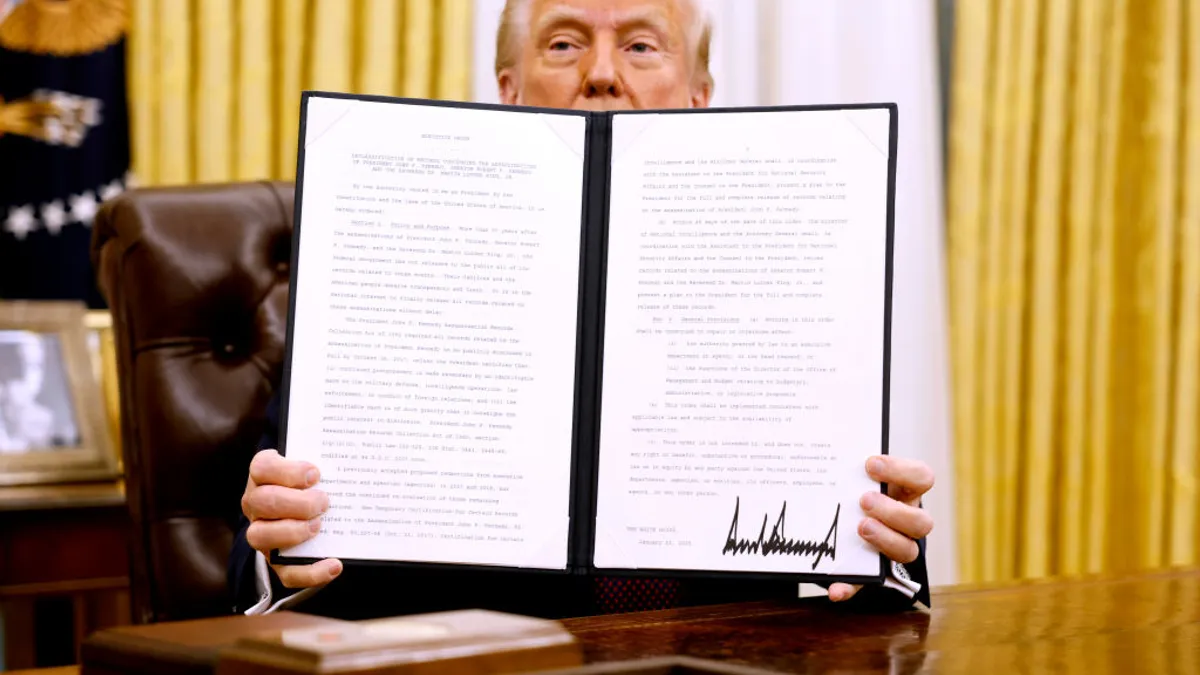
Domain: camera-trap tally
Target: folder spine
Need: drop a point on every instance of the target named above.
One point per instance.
(592, 261)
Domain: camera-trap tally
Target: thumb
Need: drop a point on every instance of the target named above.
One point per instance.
(305, 576)
(840, 592)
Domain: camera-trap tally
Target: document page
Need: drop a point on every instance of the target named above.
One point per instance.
(743, 347)
(433, 356)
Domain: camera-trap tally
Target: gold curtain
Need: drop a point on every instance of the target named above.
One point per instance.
(215, 84)
(1074, 228)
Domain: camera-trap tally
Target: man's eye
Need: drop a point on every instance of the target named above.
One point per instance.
(560, 45)
(641, 48)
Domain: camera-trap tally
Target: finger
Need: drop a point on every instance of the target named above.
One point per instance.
(907, 479)
(839, 592)
(908, 520)
(891, 543)
(265, 535)
(270, 468)
(272, 502)
(307, 576)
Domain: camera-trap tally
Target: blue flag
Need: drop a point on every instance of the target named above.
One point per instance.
(64, 140)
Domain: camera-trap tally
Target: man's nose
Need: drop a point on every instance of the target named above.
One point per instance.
(600, 78)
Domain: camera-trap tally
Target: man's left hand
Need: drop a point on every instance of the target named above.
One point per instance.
(896, 520)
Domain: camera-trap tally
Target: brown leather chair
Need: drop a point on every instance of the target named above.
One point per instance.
(197, 281)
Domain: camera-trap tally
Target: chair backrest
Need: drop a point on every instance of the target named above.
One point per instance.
(196, 278)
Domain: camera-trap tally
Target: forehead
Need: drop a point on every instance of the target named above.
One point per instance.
(609, 13)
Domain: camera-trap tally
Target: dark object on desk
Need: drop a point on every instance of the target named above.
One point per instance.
(467, 641)
(182, 647)
(199, 343)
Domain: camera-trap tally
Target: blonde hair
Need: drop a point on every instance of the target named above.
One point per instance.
(515, 17)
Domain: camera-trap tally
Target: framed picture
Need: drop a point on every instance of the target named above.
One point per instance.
(102, 348)
(52, 415)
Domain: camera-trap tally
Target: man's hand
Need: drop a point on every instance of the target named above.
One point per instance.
(896, 520)
(285, 510)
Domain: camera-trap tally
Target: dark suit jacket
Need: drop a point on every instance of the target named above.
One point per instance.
(368, 591)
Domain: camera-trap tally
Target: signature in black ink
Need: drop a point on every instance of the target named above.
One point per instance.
(778, 543)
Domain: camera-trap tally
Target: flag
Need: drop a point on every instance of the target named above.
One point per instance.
(64, 140)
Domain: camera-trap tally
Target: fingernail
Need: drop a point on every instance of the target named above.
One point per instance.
(870, 500)
(326, 506)
(314, 525)
(867, 527)
(335, 569)
(875, 465)
(311, 477)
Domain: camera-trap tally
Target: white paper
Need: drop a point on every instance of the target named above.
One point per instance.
(743, 340)
(433, 362)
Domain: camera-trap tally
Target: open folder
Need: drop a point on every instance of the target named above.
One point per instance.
(635, 342)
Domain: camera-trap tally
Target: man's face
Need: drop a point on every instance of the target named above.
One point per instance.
(606, 55)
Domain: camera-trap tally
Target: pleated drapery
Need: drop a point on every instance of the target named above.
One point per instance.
(215, 84)
(1074, 244)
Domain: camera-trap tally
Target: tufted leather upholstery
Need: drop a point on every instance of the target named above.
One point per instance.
(197, 281)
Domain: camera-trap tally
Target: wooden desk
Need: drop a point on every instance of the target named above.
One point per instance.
(64, 568)
(1147, 623)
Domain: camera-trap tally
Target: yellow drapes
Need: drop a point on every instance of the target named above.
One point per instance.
(1074, 228)
(214, 85)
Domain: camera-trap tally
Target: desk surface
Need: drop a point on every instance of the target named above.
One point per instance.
(1146, 623)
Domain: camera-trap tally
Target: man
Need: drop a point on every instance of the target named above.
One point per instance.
(583, 54)
(25, 424)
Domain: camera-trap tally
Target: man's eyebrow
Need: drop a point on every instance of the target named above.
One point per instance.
(557, 17)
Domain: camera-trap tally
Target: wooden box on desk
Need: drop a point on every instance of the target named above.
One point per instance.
(468, 641)
(181, 647)
(465, 641)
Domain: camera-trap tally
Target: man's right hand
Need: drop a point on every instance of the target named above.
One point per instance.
(284, 510)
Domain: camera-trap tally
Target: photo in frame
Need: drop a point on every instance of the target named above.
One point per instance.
(52, 414)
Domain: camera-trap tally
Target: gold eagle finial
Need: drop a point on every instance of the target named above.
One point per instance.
(61, 27)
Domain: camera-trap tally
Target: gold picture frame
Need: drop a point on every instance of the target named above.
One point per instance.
(102, 347)
(53, 425)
